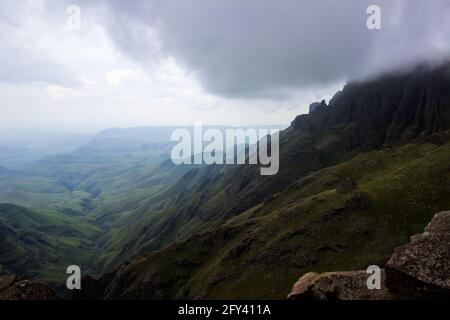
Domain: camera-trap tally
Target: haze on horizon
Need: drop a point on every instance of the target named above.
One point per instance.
(174, 62)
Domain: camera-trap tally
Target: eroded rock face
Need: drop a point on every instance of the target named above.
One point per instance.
(14, 288)
(348, 285)
(421, 268)
(385, 111)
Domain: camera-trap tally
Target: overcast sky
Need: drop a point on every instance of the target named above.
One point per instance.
(234, 62)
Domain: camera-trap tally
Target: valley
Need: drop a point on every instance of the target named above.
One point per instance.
(357, 177)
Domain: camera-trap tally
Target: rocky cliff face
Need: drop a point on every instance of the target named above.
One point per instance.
(392, 110)
(384, 111)
(417, 270)
(396, 109)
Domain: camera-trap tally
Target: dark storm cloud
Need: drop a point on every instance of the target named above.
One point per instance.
(262, 48)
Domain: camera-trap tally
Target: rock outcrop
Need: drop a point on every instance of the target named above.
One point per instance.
(346, 186)
(317, 105)
(348, 285)
(417, 270)
(421, 268)
(14, 288)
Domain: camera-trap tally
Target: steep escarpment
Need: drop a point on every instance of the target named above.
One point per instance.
(381, 113)
(357, 178)
(344, 217)
(385, 111)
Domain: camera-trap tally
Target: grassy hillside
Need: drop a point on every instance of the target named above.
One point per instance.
(41, 193)
(357, 177)
(378, 114)
(73, 201)
(344, 217)
(42, 244)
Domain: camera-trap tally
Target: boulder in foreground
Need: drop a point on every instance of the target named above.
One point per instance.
(421, 268)
(417, 270)
(347, 285)
(14, 288)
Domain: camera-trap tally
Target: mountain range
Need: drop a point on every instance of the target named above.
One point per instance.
(358, 176)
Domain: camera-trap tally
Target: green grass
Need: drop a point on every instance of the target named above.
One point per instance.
(42, 244)
(254, 241)
(308, 227)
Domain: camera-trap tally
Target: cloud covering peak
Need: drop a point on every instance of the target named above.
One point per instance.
(235, 62)
(262, 48)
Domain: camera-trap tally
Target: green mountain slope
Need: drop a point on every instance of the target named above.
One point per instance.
(357, 177)
(42, 244)
(41, 193)
(381, 113)
(344, 217)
